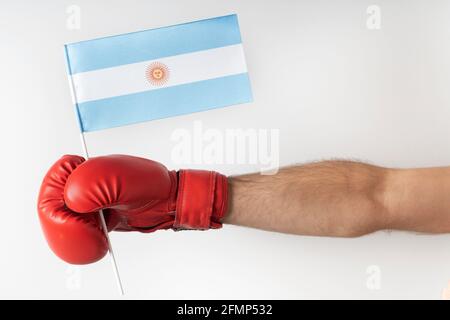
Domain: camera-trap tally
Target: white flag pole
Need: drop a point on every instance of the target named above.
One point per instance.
(105, 230)
(102, 217)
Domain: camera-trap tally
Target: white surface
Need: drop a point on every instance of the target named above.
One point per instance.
(332, 87)
(183, 68)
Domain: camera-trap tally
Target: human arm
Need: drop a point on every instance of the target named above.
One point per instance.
(330, 198)
(341, 198)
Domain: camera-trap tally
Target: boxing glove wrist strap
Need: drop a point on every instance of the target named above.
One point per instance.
(201, 201)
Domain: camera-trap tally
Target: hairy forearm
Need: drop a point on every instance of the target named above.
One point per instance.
(342, 198)
(330, 198)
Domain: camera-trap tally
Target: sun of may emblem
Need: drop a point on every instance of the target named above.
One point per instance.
(157, 73)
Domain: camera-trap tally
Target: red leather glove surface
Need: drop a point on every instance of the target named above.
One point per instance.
(136, 194)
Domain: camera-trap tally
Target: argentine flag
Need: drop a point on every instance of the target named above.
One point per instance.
(158, 73)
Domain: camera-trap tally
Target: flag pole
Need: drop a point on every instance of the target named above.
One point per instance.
(105, 229)
(86, 155)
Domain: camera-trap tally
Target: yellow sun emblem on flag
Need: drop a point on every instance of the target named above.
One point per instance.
(157, 73)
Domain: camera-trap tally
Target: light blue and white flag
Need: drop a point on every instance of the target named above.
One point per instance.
(158, 73)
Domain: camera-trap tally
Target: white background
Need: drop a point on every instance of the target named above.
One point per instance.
(333, 87)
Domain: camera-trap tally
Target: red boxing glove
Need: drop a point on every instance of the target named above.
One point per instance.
(136, 194)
